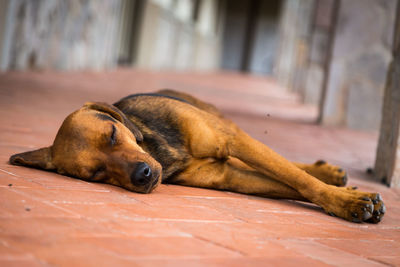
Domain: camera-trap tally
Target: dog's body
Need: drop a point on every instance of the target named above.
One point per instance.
(172, 137)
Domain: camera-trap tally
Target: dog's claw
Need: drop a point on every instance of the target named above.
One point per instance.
(377, 199)
(370, 208)
(366, 215)
(382, 209)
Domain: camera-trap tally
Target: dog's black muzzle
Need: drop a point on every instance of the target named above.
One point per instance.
(142, 174)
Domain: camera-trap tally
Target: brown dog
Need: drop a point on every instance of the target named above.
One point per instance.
(172, 137)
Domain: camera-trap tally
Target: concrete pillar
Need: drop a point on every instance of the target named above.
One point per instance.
(387, 165)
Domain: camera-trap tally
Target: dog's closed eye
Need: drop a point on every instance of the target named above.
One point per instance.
(113, 137)
(98, 174)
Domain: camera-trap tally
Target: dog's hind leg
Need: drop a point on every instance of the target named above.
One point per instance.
(230, 175)
(325, 172)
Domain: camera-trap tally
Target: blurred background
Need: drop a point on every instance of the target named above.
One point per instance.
(312, 79)
(332, 55)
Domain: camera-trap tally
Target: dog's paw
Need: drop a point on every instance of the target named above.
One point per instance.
(357, 206)
(328, 173)
(379, 210)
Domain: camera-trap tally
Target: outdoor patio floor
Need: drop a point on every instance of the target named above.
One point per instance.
(48, 219)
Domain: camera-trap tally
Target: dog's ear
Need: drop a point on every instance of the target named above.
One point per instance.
(116, 114)
(40, 158)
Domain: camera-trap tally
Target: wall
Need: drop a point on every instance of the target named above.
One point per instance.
(59, 34)
(250, 36)
(360, 58)
(4, 42)
(99, 34)
(235, 34)
(294, 43)
(263, 51)
(170, 38)
(336, 53)
(321, 39)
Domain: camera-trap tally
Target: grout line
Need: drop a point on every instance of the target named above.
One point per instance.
(219, 245)
(10, 173)
(381, 262)
(303, 249)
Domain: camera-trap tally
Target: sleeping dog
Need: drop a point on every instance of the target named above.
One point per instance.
(171, 137)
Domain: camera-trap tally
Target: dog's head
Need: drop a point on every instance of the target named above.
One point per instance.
(98, 143)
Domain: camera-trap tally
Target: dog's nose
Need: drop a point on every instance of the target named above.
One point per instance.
(141, 175)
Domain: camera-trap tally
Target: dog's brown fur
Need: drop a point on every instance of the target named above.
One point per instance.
(188, 142)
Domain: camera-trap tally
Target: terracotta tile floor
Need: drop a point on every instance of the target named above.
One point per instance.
(49, 219)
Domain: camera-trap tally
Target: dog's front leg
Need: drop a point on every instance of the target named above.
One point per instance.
(351, 205)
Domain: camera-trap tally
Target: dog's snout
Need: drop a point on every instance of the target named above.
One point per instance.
(142, 174)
